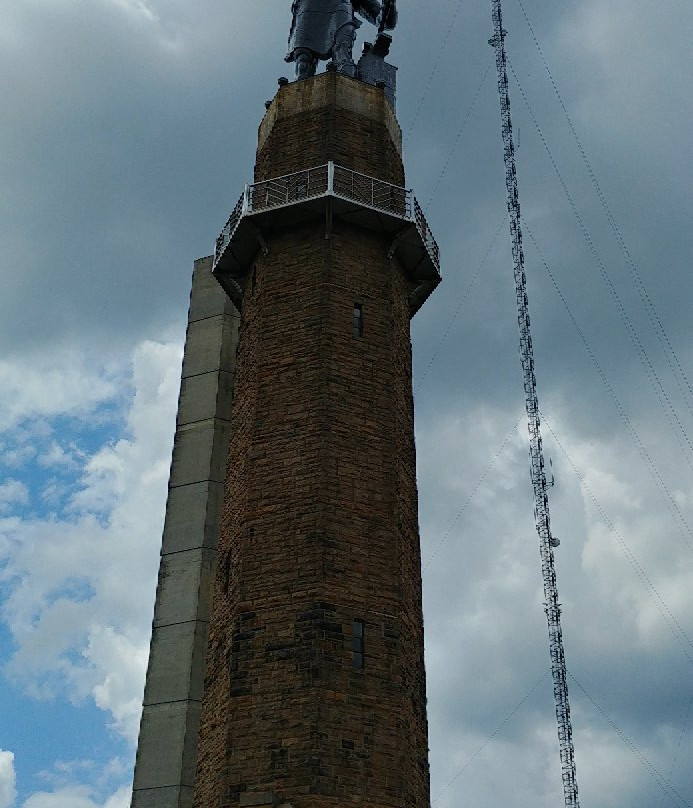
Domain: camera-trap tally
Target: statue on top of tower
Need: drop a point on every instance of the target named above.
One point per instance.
(326, 29)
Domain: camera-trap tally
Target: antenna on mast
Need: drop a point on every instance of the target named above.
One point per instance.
(540, 485)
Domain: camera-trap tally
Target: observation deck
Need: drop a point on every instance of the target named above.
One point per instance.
(328, 192)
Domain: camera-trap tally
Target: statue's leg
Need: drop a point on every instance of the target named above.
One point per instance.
(342, 52)
(306, 62)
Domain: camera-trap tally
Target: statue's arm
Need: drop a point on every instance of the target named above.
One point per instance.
(294, 9)
(390, 15)
(368, 9)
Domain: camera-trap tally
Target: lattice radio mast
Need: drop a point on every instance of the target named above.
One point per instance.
(547, 542)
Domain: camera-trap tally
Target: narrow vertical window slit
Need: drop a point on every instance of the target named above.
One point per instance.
(357, 323)
(358, 643)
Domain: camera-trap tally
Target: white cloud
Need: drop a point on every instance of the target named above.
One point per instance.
(56, 456)
(78, 796)
(17, 456)
(62, 383)
(119, 692)
(8, 791)
(636, 561)
(69, 582)
(99, 776)
(12, 494)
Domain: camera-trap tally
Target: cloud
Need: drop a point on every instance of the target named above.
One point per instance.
(103, 224)
(490, 699)
(129, 132)
(69, 580)
(78, 796)
(66, 383)
(13, 493)
(119, 693)
(8, 792)
(17, 456)
(56, 457)
(99, 776)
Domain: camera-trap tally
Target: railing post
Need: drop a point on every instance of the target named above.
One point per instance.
(330, 177)
(246, 199)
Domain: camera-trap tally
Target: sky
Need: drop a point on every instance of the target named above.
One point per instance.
(127, 133)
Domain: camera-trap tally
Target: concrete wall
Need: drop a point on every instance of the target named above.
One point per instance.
(167, 747)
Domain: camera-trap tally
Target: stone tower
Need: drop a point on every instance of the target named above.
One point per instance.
(312, 694)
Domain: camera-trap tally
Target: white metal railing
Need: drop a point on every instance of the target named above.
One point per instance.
(426, 234)
(372, 192)
(289, 189)
(329, 180)
(224, 238)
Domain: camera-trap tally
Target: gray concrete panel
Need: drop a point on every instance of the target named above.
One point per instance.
(199, 452)
(185, 587)
(192, 516)
(167, 747)
(207, 395)
(176, 663)
(210, 345)
(173, 797)
(207, 299)
(163, 733)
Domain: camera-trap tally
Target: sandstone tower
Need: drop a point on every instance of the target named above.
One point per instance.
(286, 666)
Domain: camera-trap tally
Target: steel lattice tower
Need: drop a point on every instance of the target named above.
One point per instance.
(547, 542)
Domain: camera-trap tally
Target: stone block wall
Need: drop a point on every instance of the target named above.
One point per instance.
(330, 117)
(319, 536)
(319, 529)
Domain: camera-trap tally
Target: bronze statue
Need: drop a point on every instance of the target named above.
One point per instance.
(326, 29)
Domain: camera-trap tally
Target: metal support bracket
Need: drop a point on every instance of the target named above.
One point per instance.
(395, 242)
(261, 239)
